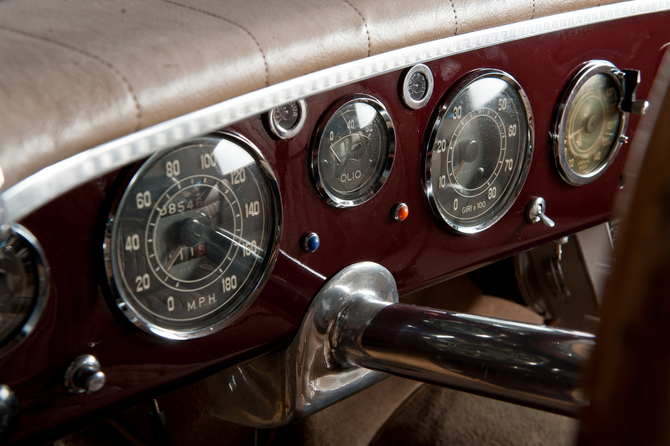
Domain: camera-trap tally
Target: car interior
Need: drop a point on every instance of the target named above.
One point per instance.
(344, 222)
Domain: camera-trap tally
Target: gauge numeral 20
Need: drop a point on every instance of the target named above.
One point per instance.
(441, 145)
(133, 243)
(229, 283)
(143, 283)
(143, 199)
(238, 176)
(172, 168)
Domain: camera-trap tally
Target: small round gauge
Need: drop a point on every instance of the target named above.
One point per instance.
(287, 120)
(352, 151)
(23, 285)
(590, 124)
(479, 151)
(194, 237)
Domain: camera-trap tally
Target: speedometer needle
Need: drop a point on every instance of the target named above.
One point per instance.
(173, 258)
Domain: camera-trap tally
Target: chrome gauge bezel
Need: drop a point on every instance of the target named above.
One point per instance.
(281, 132)
(406, 87)
(126, 304)
(527, 153)
(317, 178)
(41, 288)
(589, 70)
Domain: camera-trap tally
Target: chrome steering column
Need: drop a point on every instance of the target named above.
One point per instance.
(355, 332)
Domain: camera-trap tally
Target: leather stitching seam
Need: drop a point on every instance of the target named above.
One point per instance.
(455, 16)
(260, 48)
(365, 23)
(109, 65)
(532, 16)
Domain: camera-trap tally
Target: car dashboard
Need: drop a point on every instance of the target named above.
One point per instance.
(265, 156)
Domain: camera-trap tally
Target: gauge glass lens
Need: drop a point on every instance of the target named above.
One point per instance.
(479, 151)
(23, 286)
(195, 236)
(353, 152)
(589, 123)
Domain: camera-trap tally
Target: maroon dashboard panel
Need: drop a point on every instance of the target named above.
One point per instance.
(80, 317)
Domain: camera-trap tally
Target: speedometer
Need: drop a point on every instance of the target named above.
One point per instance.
(479, 151)
(194, 237)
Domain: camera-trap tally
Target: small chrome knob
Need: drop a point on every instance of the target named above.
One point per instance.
(9, 412)
(84, 375)
(535, 212)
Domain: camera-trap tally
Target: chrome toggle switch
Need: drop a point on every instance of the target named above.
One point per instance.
(84, 375)
(535, 212)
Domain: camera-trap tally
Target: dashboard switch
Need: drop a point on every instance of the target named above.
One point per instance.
(84, 375)
(535, 212)
(310, 242)
(400, 212)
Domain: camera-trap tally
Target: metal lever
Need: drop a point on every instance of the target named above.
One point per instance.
(631, 79)
(535, 212)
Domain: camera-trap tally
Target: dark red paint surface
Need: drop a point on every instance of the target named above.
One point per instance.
(79, 318)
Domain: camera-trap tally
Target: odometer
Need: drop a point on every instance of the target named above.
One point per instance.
(194, 237)
(479, 151)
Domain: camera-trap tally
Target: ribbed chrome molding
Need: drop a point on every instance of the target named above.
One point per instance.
(53, 181)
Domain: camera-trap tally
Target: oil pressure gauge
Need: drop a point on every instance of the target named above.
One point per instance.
(194, 237)
(479, 151)
(352, 151)
(590, 124)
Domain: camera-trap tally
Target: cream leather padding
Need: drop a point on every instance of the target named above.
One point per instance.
(78, 73)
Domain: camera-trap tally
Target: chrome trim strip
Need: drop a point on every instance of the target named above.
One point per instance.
(42, 187)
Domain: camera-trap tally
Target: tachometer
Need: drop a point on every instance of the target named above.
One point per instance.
(194, 237)
(479, 151)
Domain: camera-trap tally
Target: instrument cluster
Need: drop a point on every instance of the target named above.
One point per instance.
(197, 230)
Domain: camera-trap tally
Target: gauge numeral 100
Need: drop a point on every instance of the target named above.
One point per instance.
(229, 283)
(252, 209)
(441, 145)
(143, 199)
(133, 243)
(238, 176)
(143, 283)
(172, 168)
(207, 161)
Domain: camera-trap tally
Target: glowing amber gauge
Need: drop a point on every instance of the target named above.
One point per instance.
(590, 123)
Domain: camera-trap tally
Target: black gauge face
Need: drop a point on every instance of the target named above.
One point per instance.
(23, 286)
(479, 151)
(195, 236)
(353, 152)
(590, 123)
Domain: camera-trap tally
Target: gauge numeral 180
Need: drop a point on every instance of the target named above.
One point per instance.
(229, 283)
